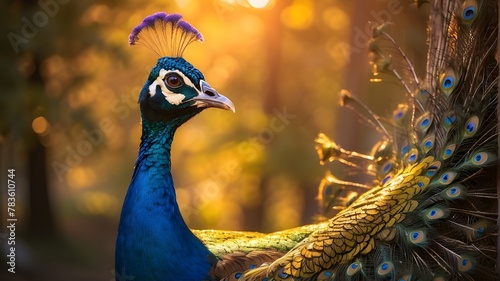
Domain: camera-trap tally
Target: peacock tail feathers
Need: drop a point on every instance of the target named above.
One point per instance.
(430, 212)
(239, 251)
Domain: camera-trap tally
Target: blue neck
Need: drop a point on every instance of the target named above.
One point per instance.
(154, 242)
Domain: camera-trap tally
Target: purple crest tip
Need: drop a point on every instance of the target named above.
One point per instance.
(148, 21)
(186, 27)
(152, 18)
(172, 18)
(157, 23)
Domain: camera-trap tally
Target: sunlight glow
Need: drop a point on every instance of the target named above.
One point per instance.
(259, 4)
(298, 15)
(182, 3)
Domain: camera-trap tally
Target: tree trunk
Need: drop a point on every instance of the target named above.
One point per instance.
(40, 221)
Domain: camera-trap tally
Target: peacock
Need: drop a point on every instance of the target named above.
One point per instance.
(429, 212)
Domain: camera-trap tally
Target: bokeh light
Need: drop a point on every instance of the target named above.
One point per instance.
(40, 125)
(299, 15)
(81, 177)
(259, 4)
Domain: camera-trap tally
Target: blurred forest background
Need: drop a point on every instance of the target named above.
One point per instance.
(70, 125)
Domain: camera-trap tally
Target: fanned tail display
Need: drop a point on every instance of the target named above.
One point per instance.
(431, 211)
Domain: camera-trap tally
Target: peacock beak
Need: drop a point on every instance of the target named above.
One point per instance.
(209, 97)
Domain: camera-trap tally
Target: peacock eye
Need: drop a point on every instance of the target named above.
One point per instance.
(174, 80)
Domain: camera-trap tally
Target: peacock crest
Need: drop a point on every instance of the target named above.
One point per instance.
(165, 34)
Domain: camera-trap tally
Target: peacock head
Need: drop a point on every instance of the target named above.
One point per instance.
(175, 89)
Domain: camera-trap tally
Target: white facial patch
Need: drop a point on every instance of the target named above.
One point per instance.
(171, 97)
